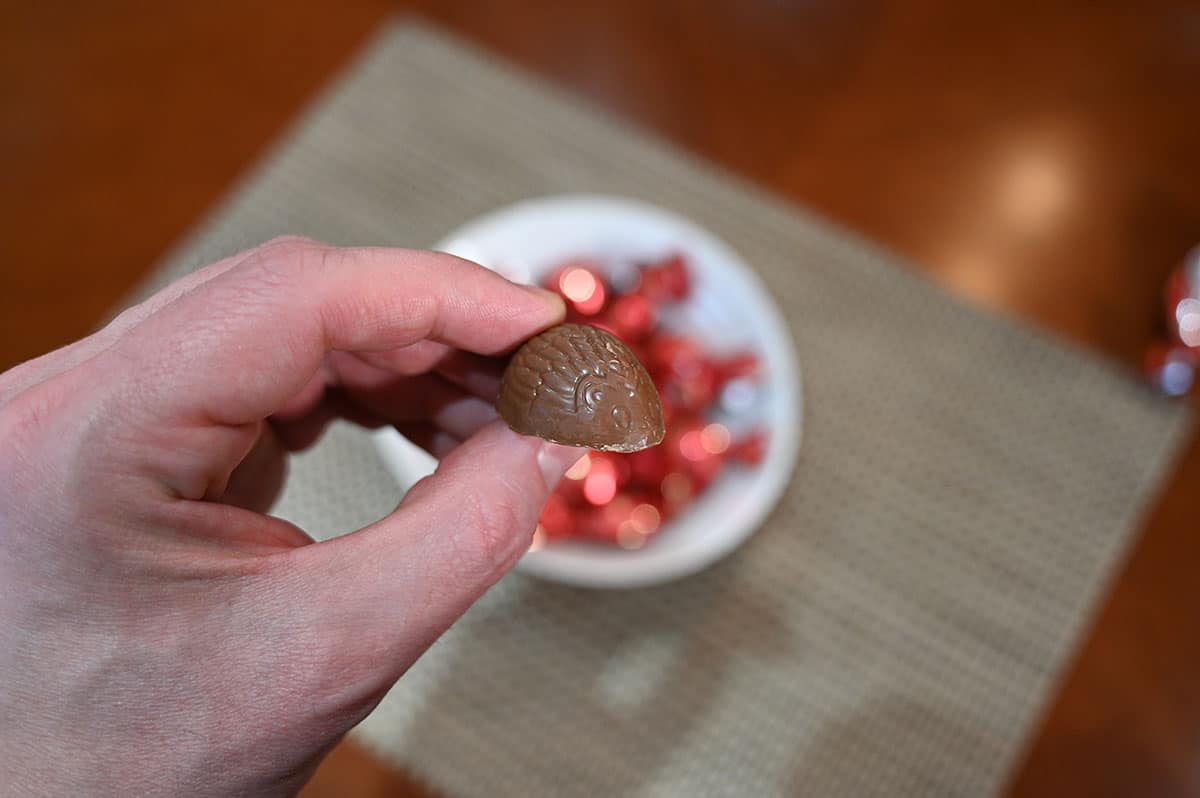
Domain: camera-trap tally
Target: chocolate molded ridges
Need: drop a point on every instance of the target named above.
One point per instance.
(581, 386)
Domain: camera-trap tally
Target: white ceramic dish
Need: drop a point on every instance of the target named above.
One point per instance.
(730, 310)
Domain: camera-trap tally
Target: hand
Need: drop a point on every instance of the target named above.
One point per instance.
(159, 634)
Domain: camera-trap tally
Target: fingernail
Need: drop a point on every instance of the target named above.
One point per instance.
(554, 459)
(551, 299)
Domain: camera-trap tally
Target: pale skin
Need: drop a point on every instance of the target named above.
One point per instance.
(160, 634)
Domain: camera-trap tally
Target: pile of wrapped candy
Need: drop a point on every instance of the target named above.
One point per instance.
(1171, 363)
(625, 499)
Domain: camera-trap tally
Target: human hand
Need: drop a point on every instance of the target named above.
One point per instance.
(160, 634)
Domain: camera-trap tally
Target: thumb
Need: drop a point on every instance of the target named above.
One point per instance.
(396, 585)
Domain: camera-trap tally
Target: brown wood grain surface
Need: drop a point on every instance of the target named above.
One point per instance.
(1042, 159)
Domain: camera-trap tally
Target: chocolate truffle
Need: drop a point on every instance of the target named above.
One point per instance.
(581, 386)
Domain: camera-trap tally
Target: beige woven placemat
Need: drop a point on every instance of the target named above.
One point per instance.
(965, 487)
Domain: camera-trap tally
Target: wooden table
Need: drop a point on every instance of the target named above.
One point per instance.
(1043, 161)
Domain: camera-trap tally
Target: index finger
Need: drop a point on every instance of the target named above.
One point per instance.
(237, 347)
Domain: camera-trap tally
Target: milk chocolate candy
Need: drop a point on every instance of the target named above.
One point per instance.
(581, 386)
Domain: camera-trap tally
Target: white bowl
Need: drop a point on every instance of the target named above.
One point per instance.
(729, 310)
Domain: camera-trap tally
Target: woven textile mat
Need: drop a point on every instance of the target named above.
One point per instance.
(965, 487)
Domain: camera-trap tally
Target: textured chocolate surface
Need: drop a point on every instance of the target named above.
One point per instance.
(581, 386)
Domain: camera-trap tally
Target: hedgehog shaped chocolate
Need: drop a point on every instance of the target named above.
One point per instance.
(581, 386)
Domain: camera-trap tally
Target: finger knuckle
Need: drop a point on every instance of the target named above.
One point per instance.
(281, 260)
(24, 421)
(127, 317)
(492, 526)
(286, 245)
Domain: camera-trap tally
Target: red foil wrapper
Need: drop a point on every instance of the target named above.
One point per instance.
(669, 279)
(631, 318)
(581, 285)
